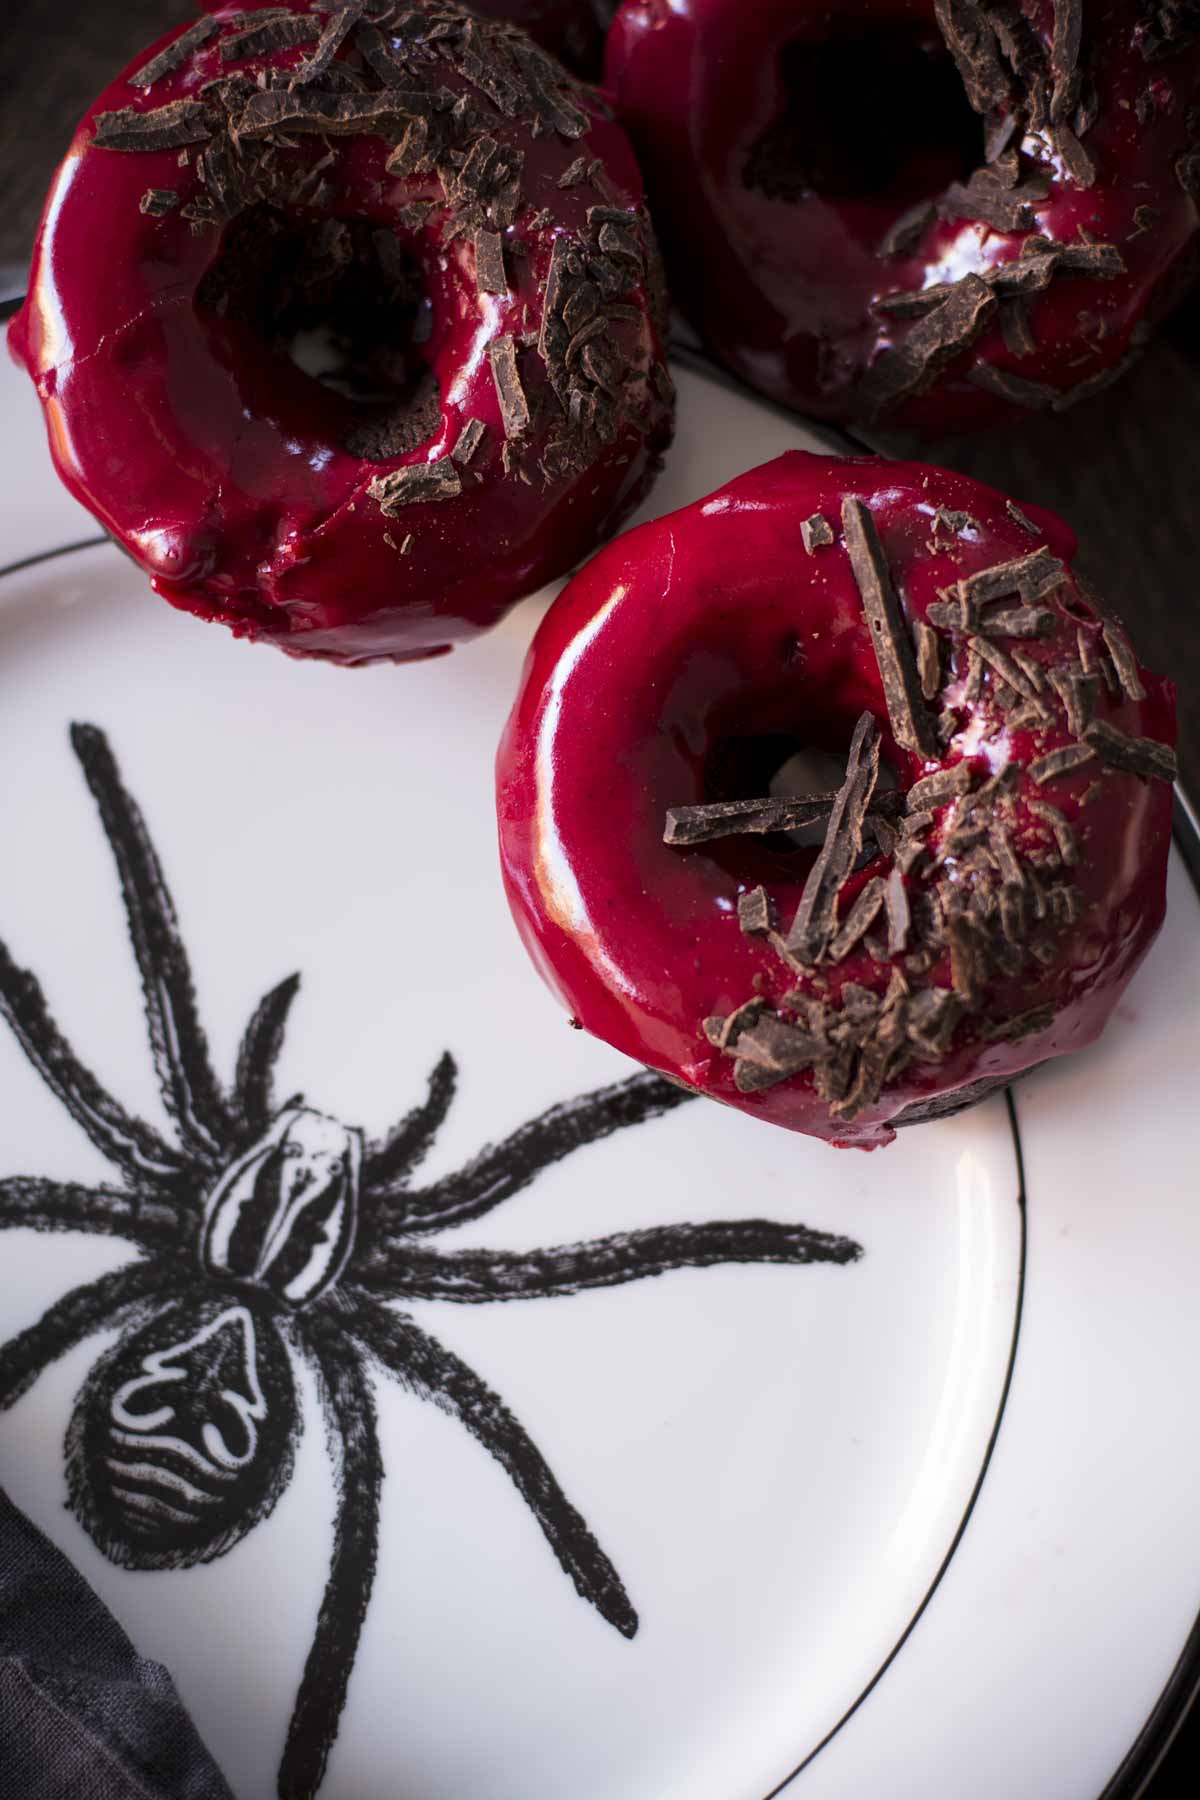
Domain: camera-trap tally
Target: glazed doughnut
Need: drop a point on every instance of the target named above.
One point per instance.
(927, 213)
(433, 207)
(991, 852)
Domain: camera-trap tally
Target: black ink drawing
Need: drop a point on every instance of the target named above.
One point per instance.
(266, 1232)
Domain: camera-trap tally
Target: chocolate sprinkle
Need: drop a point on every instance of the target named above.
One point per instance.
(816, 532)
(309, 110)
(814, 921)
(1060, 762)
(282, 33)
(176, 53)
(754, 912)
(1064, 837)
(950, 327)
(1019, 622)
(929, 659)
(416, 483)
(910, 721)
(689, 825)
(157, 201)
(1077, 691)
(943, 785)
(162, 128)
(1133, 755)
(1124, 660)
(859, 919)
(469, 440)
(514, 407)
(490, 277)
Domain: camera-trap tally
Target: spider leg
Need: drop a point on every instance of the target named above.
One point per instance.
(358, 1476)
(84, 1310)
(501, 1170)
(427, 1368)
(131, 1143)
(68, 1206)
(476, 1276)
(387, 1163)
(258, 1054)
(177, 1042)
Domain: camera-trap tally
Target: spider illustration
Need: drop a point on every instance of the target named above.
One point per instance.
(267, 1233)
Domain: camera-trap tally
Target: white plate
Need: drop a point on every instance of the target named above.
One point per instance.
(914, 1521)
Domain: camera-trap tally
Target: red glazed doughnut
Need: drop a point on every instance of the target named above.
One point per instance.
(464, 221)
(982, 916)
(934, 213)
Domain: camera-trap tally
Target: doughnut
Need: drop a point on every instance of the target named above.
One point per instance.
(986, 860)
(349, 329)
(929, 214)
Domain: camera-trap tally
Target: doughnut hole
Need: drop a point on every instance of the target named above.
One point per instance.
(873, 113)
(325, 320)
(780, 766)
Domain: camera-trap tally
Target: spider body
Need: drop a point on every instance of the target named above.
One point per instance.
(269, 1234)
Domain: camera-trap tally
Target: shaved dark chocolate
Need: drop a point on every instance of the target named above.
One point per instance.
(1016, 328)
(813, 924)
(1064, 837)
(1018, 622)
(899, 915)
(1077, 691)
(547, 86)
(160, 128)
(816, 532)
(912, 365)
(909, 718)
(1002, 664)
(972, 43)
(157, 201)
(986, 198)
(283, 32)
(308, 110)
(337, 30)
(469, 440)
(514, 407)
(1063, 761)
(943, 785)
(1031, 577)
(490, 277)
(1073, 157)
(754, 913)
(688, 825)
(929, 659)
(1132, 755)
(179, 51)
(1022, 518)
(414, 484)
(1124, 660)
(859, 919)
(1065, 45)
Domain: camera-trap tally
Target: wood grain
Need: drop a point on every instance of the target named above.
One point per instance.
(1121, 468)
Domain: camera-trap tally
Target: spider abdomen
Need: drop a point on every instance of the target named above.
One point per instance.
(183, 1435)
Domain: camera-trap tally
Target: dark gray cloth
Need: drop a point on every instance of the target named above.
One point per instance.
(82, 1715)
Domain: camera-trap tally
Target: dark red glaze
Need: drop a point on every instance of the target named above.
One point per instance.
(783, 288)
(713, 625)
(221, 468)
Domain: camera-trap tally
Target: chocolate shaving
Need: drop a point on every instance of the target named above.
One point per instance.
(1003, 665)
(162, 128)
(929, 659)
(177, 52)
(754, 912)
(1031, 577)
(816, 533)
(972, 43)
(1077, 691)
(986, 198)
(308, 110)
(1015, 327)
(336, 31)
(469, 440)
(1124, 660)
(1132, 755)
(514, 407)
(943, 785)
(1064, 837)
(416, 483)
(1036, 395)
(263, 39)
(1022, 518)
(1074, 158)
(157, 201)
(859, 919)
(490, 277)
(905, 233)
(910, 721)
(573, 176)
(689, 825)
(1064, 56)
(814, 921)
(899, 915)
(950, 327)
(1019, 622)
(1001, 848)
(1060, 762)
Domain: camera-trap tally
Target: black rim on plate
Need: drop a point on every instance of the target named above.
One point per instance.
(1158, 1733)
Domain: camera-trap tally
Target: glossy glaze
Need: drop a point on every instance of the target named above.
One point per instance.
(783, 289)
(713, 623)
(220, 467)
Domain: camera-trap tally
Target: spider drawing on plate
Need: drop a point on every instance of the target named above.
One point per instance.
(269, 1232)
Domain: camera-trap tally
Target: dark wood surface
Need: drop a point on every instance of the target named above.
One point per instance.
(1122, 468)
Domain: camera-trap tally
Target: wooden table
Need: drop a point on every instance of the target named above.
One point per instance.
(1120, 469)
